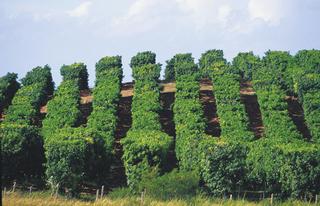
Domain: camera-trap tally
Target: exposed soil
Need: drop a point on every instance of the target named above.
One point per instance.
(210, 108)
(123, 125)
(250, 101)
(296, 114)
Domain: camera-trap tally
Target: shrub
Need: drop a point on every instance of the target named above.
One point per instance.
(76, 71)
(22, 152)
(107, 63)
(8, 87)
(172, 185)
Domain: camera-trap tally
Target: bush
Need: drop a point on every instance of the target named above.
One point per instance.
(143, 150)
(8, 87)
(107, 63)
(143, 58)
(76, 71)
(172, 185)
(22, 152)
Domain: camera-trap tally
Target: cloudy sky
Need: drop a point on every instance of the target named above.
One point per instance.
(37, 32)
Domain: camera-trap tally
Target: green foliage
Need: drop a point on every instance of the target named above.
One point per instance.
(63, 109)
(142, 58)
(223, 165)
(145, 145)
(37, 75)
(278, 63)
(169, 72)
(232, 116)
(245, 63)
(22, 152)
(308, 60)
(146, 72)
(291, 169)
(273, 106)
(188, 115)
(8, 88)
(76, 71)
(67, 153)
(172, 185)
(209, 58)
(144, 150)
(107, 63)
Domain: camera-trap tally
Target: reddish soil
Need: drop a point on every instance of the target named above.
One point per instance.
(123, 125)
(296, 114)
(250, 101)
(210, 108)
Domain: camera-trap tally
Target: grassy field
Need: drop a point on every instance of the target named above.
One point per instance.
(43, 198)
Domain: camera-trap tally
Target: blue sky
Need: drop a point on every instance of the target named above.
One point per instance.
(60, 32)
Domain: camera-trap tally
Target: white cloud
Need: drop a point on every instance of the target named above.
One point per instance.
(270, 11)
(81, 10)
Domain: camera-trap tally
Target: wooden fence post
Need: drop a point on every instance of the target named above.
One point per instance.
(271, 199)
(14, 186)
(102, 190)
(30, 189)
(230, 197)
(316, 200)
(97, 194)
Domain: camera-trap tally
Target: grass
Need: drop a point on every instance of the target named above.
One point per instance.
(44, 198)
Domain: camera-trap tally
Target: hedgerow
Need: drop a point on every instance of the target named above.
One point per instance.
(21, 143)
(188, 114)
(76, 71)
(279, 160)
(103, 119)
(145, 145)
(8, 88)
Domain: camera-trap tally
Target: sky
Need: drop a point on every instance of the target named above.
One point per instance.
(37, 32)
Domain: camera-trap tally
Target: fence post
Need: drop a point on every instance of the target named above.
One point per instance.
(316, 201)
(97, 194)
(14, 186)
(102, 190)
(230, 197)
(271, 199)
(30, 189)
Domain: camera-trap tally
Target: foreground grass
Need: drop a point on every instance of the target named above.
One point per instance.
(42, 198)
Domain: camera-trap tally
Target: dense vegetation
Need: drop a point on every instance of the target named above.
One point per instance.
(71, 154)
(145, 146)
(21, 144)
(8, 87)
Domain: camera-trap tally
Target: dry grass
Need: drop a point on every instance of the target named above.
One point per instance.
(44, 199)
